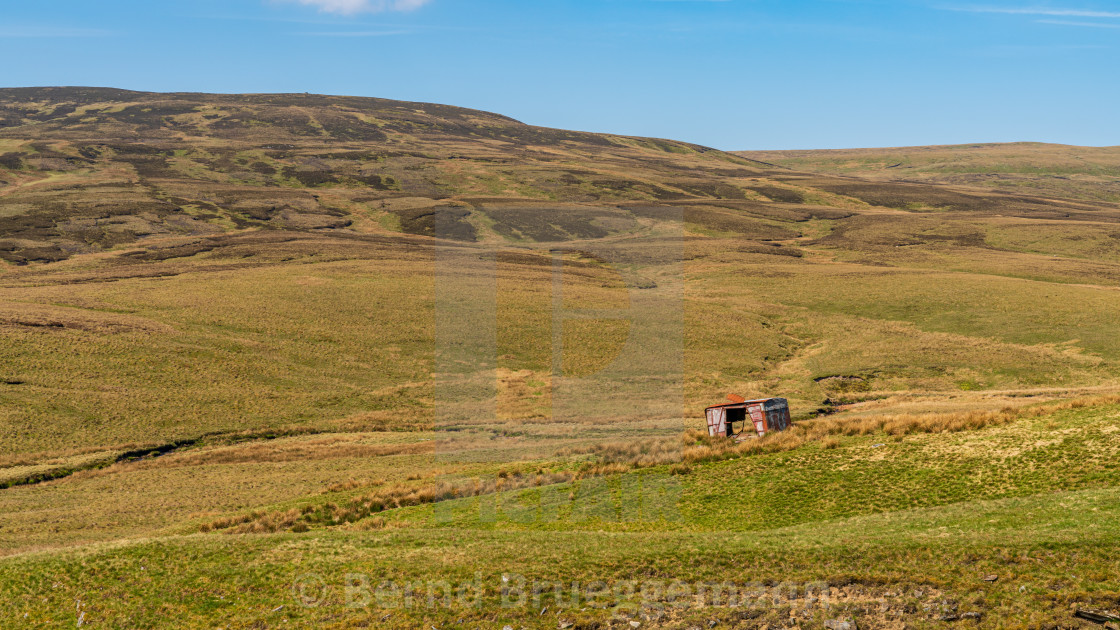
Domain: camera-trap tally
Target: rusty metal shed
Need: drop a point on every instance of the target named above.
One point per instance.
(755, 417)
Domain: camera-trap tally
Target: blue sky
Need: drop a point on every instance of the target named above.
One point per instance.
(734, 74)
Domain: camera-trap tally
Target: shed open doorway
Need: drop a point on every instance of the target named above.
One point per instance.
(743, 419)
(736, 419)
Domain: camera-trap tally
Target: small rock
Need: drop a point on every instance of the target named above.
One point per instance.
(564, 625)
(990, 578)
(971, 615)
(949, 617)
(635, 624)
(1022, 589)
(278, 609)
(839, 624)
(712, 623)
(506, 627)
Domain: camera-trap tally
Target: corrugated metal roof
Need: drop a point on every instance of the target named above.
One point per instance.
(745, 403)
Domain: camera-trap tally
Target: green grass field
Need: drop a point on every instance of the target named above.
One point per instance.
(900, 533)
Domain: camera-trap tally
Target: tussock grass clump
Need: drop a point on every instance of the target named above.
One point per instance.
(630, 453)
(230, 521)
(353, 484)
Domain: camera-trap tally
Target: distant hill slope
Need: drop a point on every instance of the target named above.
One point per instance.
(87, 169)
(1091, 173)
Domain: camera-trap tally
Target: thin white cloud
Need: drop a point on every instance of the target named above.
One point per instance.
(1038, 11)
(1072, 23)
(350, 7)
(355, 33)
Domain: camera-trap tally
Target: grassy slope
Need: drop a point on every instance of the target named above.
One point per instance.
(914, 526)
(1027, 167)
(257, 277)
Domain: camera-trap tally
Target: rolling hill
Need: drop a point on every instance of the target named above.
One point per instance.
(1034, 168)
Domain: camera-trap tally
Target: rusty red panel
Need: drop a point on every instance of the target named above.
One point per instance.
(716, 421)
(757, 418)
